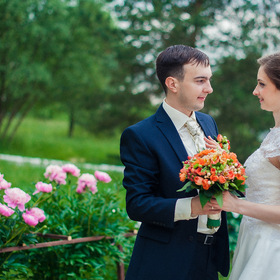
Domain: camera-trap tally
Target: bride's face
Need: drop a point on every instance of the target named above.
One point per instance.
(266, 91)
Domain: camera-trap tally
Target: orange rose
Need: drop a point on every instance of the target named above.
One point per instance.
(228, 144)
(233, 156)
(242, 171)
(201, 161)
(199, 171)
(205, 184)
(231, 175)
(213, 171)
(214, 178)
(240, 177)
(198, 180)
(183, 170)
(222, 179)
(215, 160)
(219, 138)
(182, 177)
(205, 152)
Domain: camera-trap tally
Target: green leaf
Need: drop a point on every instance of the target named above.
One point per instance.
(242, 188)
(209, 193)
(235, 193)
(187, 187)
(203, 198)
(220, 187)
(219, 198)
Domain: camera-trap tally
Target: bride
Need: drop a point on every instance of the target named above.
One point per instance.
(257, 252)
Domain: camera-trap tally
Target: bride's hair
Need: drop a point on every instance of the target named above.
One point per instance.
(271, 66)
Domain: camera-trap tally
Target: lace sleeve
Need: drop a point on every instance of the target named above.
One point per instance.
(270, 147)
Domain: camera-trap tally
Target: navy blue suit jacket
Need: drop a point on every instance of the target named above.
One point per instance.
(152, 152)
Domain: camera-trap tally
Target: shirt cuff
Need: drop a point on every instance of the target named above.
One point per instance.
(183, 209)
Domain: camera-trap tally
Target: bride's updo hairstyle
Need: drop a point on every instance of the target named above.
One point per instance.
(271, 66)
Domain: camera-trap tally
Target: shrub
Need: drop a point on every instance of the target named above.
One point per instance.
(75, 206)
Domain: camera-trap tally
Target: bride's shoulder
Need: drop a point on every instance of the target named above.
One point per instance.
(271, 144)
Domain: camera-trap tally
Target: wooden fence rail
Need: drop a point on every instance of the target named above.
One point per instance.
(68, 240)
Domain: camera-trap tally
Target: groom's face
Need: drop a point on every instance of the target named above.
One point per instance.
(193, 88)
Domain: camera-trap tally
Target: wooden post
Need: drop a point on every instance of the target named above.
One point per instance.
(120, 266)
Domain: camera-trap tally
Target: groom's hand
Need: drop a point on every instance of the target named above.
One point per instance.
(209, 208)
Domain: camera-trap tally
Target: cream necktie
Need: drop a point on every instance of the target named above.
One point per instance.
(196, 134)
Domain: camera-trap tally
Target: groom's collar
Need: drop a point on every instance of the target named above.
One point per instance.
(178, 118)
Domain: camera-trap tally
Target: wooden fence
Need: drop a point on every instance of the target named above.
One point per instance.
(64, 240)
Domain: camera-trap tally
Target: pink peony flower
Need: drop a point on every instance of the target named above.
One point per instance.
(55, 173)
(4, 184)
(93, 189)
(87, 180)
(102, 176)
(16, 197)
(5, 210)
(43, 187)
(37, 213)
(30, 219)
(72, 169)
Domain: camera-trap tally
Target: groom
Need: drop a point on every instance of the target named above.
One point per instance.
(173, 242)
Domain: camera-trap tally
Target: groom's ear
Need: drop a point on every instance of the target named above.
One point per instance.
(172, 84)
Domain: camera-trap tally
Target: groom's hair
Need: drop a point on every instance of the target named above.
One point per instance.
(170, 62)
(271, 66)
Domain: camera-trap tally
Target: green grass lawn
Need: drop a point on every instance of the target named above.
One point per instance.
(48, 139)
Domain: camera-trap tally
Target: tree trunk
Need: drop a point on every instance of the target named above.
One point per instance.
(25, 112)
(2, 93)
(16, 109)
(71, 123)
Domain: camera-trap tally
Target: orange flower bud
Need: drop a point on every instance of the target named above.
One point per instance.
(219, 138)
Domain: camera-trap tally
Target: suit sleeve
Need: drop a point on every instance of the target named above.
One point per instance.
(144, 200)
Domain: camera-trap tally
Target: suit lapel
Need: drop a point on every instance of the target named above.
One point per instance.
(169, 131)
(204, 125)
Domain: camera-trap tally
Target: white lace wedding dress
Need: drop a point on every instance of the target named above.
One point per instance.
(257, 254)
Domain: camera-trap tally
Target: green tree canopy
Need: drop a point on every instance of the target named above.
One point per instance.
(54, 52)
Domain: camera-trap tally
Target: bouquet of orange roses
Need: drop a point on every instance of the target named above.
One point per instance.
(213, 171)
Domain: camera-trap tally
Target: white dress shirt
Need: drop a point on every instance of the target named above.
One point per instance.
(183, 205)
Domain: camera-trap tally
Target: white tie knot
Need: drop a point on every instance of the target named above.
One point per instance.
(196, 133)
(193, 127)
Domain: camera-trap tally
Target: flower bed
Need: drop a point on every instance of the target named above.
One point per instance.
(64, 203)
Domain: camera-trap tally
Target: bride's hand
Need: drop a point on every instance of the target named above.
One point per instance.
(230, 202)
(210, 143)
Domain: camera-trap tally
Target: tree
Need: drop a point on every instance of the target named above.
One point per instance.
(54, 52)
(27, 50)
(85, 71)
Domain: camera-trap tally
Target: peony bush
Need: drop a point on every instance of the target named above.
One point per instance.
(65, 202)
